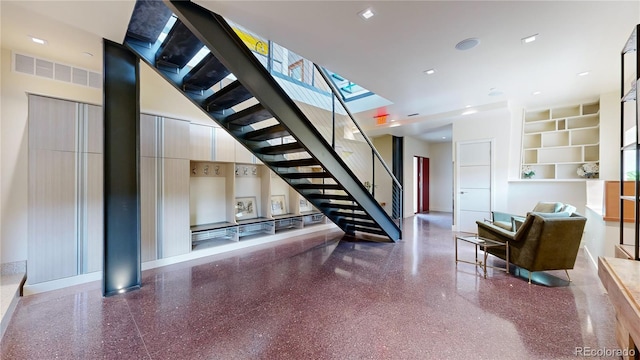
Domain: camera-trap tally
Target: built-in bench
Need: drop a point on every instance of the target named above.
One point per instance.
(219, 233)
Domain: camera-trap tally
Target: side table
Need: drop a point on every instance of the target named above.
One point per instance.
(483, 244)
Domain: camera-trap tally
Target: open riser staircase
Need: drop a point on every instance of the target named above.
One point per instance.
(236, 91)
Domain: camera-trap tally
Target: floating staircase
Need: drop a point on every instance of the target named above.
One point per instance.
(272, 127)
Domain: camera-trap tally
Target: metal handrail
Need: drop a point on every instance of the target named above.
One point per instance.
(335, 92)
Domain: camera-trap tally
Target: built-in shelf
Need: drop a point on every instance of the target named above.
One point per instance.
(237, 201)
(556, 141)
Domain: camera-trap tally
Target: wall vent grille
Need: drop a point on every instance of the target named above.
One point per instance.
(48, 69)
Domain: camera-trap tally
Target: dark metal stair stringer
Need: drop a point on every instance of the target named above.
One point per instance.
(222, 41)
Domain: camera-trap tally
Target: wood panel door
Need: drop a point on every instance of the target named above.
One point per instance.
(422, 181)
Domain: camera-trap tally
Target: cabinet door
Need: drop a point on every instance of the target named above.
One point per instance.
(93, 218)
(148, 208)
(201, 141)
(242, 154)
(52, 123)
(52, 249)
(175, 139)
(148, 135)
(95, 129)
(175, 207)
(225, 146)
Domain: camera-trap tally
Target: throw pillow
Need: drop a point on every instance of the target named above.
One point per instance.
(548, 207)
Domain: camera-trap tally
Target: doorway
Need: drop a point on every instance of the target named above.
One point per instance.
(474, 183)
(421, 184)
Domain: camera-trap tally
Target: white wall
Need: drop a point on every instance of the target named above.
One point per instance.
(158, 97)
(494, 125)
(440, 177)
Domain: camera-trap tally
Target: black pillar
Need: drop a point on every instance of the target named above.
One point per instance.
(121, 105)
(397, 167)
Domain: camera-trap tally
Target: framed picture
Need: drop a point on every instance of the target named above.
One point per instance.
(305, 205)
(246, 208)
(278, 206)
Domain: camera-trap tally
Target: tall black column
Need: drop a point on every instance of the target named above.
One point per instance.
(397, 167)
(121, 91)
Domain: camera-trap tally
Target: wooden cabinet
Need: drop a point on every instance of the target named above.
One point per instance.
(65, 189)
(175, 138)
(225, 146)
(556, 141)
(164, 186)
(201, 142)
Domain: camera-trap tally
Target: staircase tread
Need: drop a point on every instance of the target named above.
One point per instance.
(306, 175)
(227, 97)
(318, 186)
(268, 133)
(179, 47)
(251, 115)
(281, 149)
(208, 72)
(331, 197)
(295, 163)
(148, 20)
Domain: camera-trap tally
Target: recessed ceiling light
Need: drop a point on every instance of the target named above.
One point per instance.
(530, 39)
(536, 93)
(444, 137)
(38, 40)
(467, 44)
(469, 112)
(467, 106)
(367, 14)
(86, 53)
(584, 73)
(393, 119)
(430, 71)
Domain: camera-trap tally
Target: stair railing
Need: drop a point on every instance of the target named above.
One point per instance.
(316, 95)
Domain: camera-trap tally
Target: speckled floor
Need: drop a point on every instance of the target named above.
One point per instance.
(318, 298)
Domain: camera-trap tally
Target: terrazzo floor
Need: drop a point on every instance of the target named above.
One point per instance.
(322, 298)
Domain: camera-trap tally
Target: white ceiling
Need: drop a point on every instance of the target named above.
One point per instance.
(388, 53)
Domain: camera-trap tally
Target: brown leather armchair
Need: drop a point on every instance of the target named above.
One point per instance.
(544, 241)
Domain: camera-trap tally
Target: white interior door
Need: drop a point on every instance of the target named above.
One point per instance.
(474, 185)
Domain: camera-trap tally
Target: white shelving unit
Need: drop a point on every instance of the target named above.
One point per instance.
(556, 141)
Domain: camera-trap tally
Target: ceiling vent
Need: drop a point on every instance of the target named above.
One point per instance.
(467, 44)
(48, 69)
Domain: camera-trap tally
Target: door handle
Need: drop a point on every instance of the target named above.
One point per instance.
(463, 192)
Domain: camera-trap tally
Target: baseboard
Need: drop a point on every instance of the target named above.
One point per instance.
(97, 276)
(590, 257)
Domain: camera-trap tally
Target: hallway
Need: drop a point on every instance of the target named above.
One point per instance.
(319, 298)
